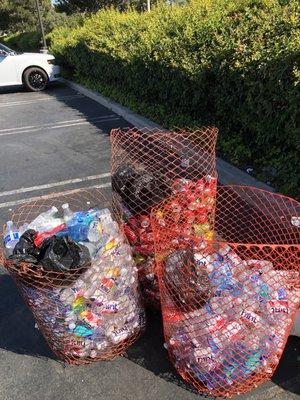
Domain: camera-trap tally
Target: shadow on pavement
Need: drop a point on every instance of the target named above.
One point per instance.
(149, 352)
(12, 89)
(17, 331)
(101, 118)
(287, 374)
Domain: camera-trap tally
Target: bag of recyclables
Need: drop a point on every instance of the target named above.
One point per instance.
(78, 277)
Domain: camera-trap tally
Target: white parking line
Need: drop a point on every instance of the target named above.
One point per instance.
(55, 123)
(53, 195)
(54, 184)
(24, 102)
(62, 125)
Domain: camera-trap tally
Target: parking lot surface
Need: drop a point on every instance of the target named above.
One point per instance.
(57, 141)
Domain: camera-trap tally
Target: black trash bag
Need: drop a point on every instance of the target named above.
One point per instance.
(188, 286)
(25, 249)
(62, 254)
(139, 190)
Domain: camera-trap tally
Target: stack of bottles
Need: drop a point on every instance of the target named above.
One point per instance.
(197, 211)
(147, 167)
(229, 276)
(239, 324)
(98, 312)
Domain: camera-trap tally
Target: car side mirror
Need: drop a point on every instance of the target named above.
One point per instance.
(3, 53)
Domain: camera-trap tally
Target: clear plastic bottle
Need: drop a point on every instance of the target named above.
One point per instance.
(95, 231)
(23, 228)
(46, 221)
(68, 214)
(11, 237)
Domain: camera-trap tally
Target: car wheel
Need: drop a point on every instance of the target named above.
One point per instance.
(35, 79)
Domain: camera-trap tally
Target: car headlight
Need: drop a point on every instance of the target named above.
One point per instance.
(52, 61)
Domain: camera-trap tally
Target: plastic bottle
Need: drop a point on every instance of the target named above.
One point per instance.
(78, 227)
(68, 214)
(79, 224)
(91, 248)
(104, 214)
(23, 228)
(11, 237)
(95, 231)
(46, 221)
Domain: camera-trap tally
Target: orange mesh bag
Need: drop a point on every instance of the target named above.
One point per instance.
(147, 166)
(229, 295)
(79, 279)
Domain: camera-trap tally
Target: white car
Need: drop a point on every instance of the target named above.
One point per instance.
(33, 70)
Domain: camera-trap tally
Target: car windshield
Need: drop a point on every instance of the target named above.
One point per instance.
(6, 49)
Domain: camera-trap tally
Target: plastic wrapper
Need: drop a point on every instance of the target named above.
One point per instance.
(84, 295)
(147, 167)
(233, 336)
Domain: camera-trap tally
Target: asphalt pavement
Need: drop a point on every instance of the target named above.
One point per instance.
(57, 141)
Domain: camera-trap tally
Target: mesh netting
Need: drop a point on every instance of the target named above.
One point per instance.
(88, 313)
(147, 167)
(229, 298)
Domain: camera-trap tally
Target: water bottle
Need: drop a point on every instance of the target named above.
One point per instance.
(95, 231)
(78, 227)
(68, 214)
(104, 215)
(79, 224)
(46, 221)
(11, 237)
(23, 228)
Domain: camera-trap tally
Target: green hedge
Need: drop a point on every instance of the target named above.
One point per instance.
(233, 63)
(28, 41)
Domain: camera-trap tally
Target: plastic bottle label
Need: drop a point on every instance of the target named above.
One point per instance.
(279, 306)
(7, 239)
(120, 334)
(250, 317)
(107, 284)
(11, 237)
(110, 308)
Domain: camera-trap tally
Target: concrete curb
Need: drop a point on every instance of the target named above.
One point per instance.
(227, 173)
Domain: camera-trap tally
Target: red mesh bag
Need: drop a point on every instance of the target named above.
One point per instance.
(229, 294)
(147, 166)
(92, 310)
